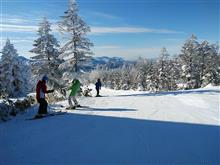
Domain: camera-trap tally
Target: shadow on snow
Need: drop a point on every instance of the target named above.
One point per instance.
(108, 109)
(175, 93)
(90, 139)
(57, 106)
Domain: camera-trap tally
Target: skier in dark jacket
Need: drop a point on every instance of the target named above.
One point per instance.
(41, 89)
(98, 85)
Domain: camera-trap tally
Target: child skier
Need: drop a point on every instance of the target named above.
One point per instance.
(98, 87)
(72, 97)
(87, 92)
(41, 89)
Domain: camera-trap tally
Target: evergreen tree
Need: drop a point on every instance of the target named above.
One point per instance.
(163, 70)
(22, 75)
(46, 45)
(15, 73)
(126, 78)
(143, 67)
(190, 75)
(1, 75)
(208, 63)
(204, 51)
(7, 63)
(210, 72)
(153, 77)
(46, 60)
(77, 48)
(174, 73)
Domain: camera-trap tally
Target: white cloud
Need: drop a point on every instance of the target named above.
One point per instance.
(14, 20)
(17, 25)
(112, 30)
(13, 23)
(22, 28)
(17, 28)
(7, 19)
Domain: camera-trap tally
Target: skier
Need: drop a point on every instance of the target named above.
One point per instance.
(98, 87)
(41, 89)
(87, 92)
(72, 97)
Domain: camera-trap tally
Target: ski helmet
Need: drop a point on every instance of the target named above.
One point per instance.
(45, 78)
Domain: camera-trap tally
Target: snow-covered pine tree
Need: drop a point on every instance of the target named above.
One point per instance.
(77, 49)
(174, 73)
(153, 77)
(210, 64)
(15, 74)
(143, 67)
(202, 58)
(163, 70)
(133, 77)
(1, 75)
(24, 74)
(46, 60)
(190, 75)
(126, 81)
(115, 78)
(7, 61)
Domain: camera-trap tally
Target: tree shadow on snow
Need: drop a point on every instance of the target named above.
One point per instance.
(91, 139)
(182, 92)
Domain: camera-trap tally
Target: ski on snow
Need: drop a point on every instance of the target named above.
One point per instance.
(47, 115)
(76, 107)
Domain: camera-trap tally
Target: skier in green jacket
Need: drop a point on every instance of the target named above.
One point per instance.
(72, 97)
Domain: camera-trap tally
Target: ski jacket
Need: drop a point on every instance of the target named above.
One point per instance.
(98, 85)
(75, 87)
(41, 89)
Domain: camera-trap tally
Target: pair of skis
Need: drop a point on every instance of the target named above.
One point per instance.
(40, 116)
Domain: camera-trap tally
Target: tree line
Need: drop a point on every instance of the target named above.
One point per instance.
(196, 66)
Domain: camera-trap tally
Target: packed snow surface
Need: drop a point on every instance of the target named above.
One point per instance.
(122, 127)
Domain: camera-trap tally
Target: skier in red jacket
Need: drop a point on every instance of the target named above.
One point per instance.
(41, 89)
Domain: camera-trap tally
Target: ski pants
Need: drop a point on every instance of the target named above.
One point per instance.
(72, 99)
(97, 91)
(43, 106)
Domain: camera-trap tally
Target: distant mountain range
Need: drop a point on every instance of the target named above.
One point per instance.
(97, 62)
(104, 62)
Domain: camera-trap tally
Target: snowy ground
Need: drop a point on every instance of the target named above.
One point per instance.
(123, 127)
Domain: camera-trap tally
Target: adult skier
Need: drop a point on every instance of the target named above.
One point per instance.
(98, 85)
(72, 97)
(41, 90)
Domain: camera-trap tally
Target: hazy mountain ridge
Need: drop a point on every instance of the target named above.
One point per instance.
(105, 62)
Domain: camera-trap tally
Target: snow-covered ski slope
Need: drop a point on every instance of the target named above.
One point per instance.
(123, 127)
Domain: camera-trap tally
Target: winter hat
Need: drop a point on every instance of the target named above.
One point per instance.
(45, 78)
(75, 80)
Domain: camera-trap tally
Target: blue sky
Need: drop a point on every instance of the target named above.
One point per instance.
(125, 28)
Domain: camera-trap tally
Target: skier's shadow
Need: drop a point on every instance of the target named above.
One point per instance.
(109, 109)
(88, 108)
